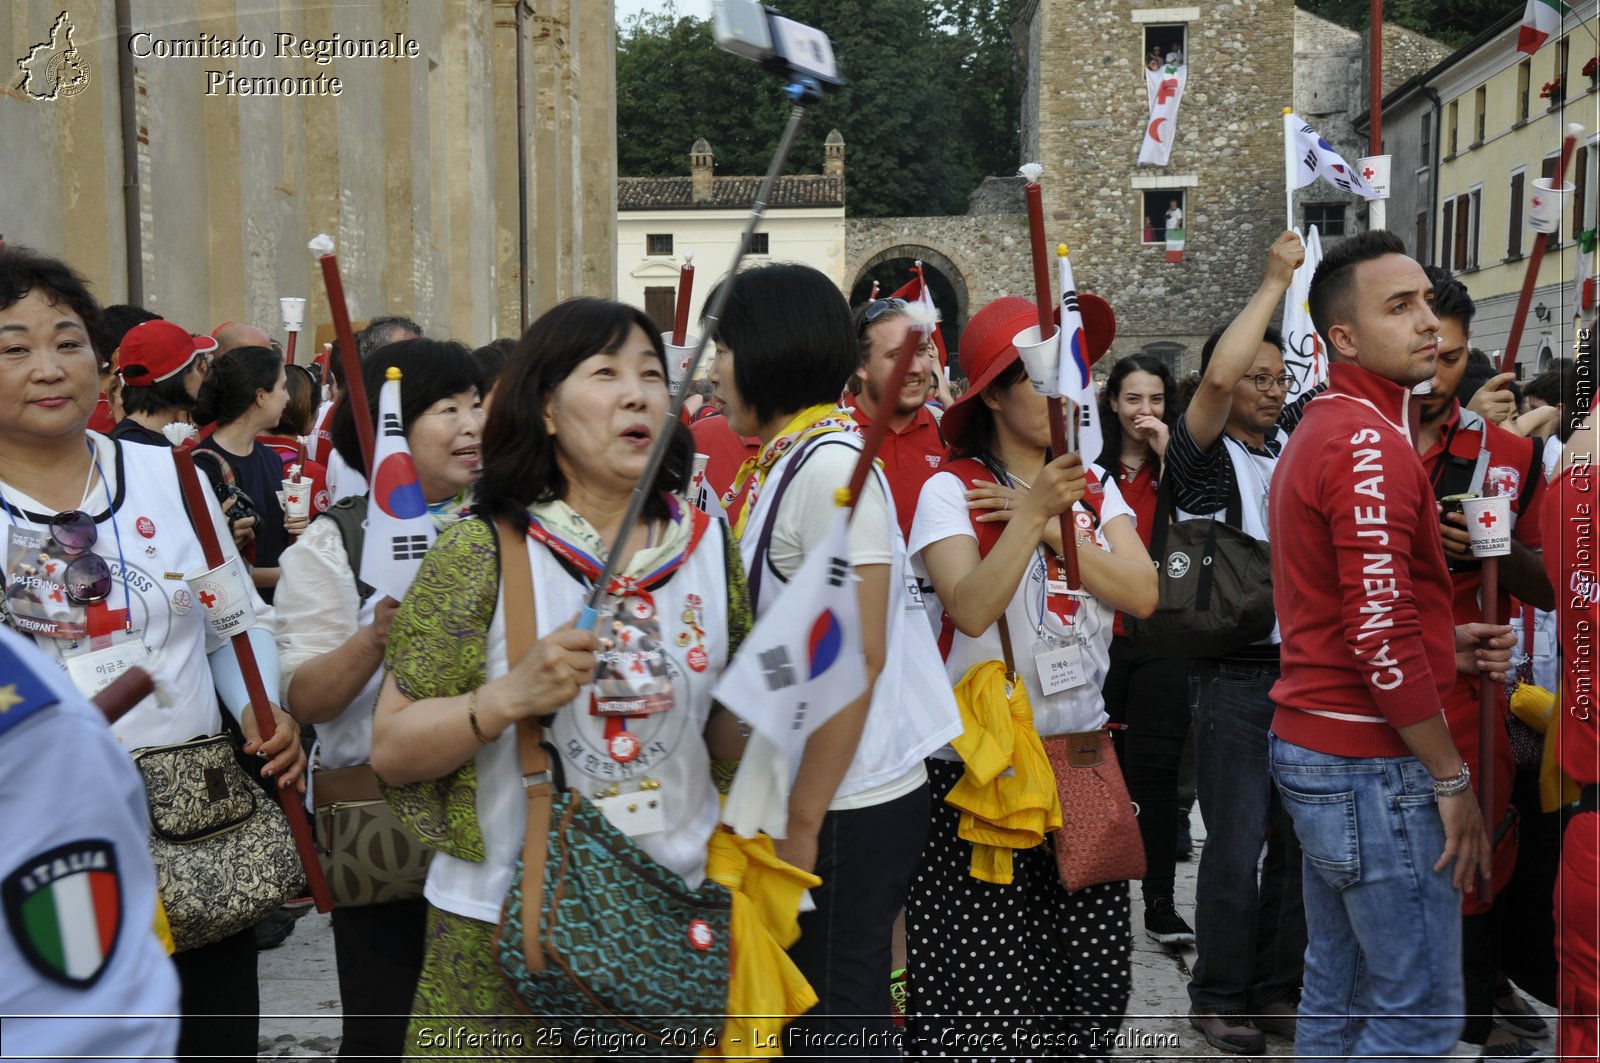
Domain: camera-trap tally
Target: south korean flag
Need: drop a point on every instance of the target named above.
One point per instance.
(399, 529)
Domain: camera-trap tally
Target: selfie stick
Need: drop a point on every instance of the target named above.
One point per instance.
(658, 450)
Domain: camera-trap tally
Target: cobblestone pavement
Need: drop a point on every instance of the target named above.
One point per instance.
(300, 992)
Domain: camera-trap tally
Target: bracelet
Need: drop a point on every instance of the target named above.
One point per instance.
(1454, 786)
(472, 717)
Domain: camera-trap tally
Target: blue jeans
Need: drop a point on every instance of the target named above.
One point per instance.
(1250, 932)
(1371, 833)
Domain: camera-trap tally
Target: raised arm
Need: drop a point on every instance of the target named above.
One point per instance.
(1235, 352)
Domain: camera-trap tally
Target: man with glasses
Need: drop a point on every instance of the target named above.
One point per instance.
(1250, 935)
(913, 448)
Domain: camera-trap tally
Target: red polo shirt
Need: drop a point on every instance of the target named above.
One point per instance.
(910, 458)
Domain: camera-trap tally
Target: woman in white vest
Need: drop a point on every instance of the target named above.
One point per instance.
(858, 809)
(567, 439)
(332, 632)
(998, 950)
(99, 543)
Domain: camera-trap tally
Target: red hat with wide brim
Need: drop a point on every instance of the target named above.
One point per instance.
(987, 350)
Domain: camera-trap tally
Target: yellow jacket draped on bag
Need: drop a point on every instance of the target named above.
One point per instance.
(1007, 797)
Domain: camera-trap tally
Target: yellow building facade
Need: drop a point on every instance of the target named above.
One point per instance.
(1497, 136)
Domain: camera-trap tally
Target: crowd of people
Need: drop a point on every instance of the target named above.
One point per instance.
(1350, 897)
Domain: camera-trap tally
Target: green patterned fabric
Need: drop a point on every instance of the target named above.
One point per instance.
(463, 1008)
(437, 648)
(628, 947)
(740, 615)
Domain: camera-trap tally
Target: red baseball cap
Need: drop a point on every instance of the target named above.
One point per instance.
(155, 350)
(987, 350)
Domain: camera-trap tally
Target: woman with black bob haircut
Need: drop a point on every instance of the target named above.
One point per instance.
(244, 395)
(332, 632)
(857, 810)
(567, 440)
(1147, 697)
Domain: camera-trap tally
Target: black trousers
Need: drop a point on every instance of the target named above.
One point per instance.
(1149, 696)
(865, 858)
(220, 998)
(378, 949)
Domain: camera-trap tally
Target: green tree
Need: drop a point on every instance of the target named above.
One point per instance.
(674, 85)
(913, 144)
(1453, 22)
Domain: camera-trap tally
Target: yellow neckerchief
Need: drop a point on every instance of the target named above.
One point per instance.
(821, 419)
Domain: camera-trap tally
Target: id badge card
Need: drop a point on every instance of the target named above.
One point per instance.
(635, 813)
(36, 588)
(633, 678)
(92, 670)
(1060, 664)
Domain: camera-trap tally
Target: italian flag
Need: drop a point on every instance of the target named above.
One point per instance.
(1175, 239)
(1540, 20)
(65, 910)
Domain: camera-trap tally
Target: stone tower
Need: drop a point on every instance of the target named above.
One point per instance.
(833, 154)
(1084, 113)
(701, 167)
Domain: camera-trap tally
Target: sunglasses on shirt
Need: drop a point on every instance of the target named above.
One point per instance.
(87, 578)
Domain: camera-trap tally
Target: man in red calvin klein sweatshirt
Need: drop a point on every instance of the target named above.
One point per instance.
(1380, 798)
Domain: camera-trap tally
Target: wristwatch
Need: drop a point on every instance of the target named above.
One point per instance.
(1454, 786)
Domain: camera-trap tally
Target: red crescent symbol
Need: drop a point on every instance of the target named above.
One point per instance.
(1154, 132)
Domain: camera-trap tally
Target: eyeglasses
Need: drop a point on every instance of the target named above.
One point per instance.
(1264, 381)
(878, 307)
(88, 577)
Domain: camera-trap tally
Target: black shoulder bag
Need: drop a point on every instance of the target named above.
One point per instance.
(1215, 581)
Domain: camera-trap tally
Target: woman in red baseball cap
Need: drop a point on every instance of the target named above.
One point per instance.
(996, 946)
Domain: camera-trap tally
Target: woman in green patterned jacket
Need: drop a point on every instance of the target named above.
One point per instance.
(567, 439)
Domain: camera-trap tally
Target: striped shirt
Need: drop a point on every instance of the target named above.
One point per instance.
(1203, 478)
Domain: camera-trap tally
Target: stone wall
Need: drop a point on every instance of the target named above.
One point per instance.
(984, 256)
(1085, 68)
(413, 167)
(1330, 93)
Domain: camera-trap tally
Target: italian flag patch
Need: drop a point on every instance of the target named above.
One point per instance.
(64, 909)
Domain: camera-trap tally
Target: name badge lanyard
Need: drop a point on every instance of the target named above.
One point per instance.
(98, 614)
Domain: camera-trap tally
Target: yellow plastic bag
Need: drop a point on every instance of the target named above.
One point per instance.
(1537, 707)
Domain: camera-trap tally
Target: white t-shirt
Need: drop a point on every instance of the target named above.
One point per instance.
(1031, 614)
(913, 711)
(319, 610)
(151, 533)
(808, 510)
(1175, 218)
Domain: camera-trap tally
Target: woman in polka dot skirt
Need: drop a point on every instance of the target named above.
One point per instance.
(1011, 964)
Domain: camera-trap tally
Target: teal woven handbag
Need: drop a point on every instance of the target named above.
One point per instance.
(595, 937)
(627, 951)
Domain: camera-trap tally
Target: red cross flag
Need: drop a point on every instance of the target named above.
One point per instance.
(1164, 88)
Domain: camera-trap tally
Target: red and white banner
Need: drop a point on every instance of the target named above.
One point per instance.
(1165, 89)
